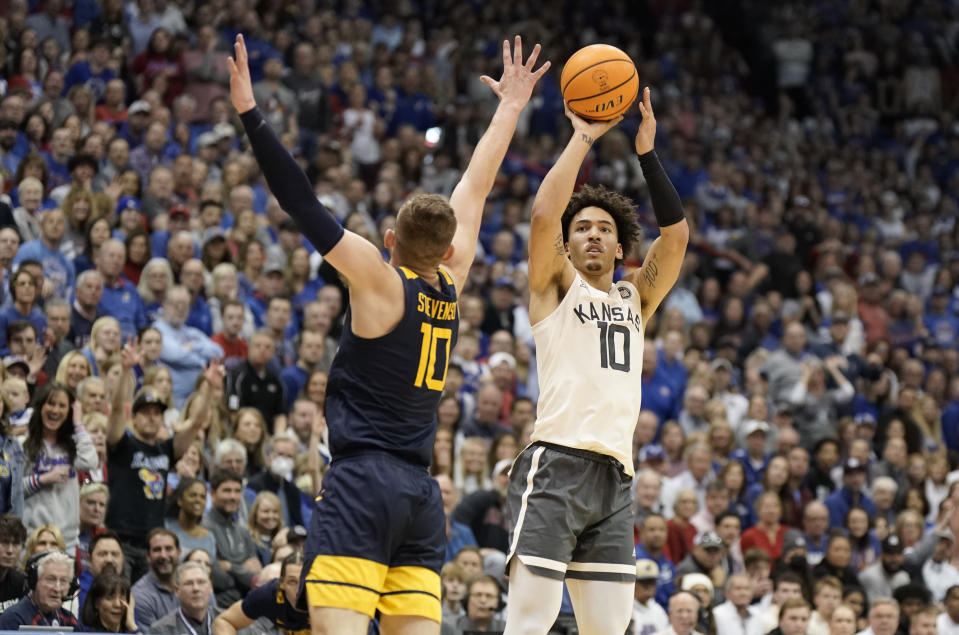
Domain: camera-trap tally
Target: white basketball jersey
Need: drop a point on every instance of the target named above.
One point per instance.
(589, 354)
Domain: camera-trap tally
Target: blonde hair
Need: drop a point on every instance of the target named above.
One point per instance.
(261, 498)
(256, 458)
(459, 468)
(98, 325)
(143, 288)
(94, 488)
(65, 363)
(95, 421)
(34, 538)
(13, 382)
(150, 377)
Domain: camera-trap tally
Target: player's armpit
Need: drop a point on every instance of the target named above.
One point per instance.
(362, 264)
(549, 266)
(661, 268)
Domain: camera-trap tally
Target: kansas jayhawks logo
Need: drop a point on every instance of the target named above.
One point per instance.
(152, 484)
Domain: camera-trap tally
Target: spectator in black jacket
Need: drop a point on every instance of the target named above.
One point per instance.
(278, 475)
(484, 511)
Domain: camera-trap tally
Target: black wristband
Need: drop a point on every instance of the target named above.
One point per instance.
(666, 204)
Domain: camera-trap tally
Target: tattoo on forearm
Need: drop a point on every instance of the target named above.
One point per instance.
(559, 245)
(651, 271)
(585, 137)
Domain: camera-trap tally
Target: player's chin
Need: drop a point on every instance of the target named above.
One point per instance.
(594, 265)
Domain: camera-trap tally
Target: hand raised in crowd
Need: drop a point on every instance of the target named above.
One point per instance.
(36, 361)
(518, 79)
(130, 617)
(47, 288)
(49, 338)
(646, 135)
(130, 354)
(214, 373)
(241, 86)
(319, 425)
(77, 414)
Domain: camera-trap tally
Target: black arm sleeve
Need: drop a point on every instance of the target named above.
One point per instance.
(289, 184)
(666, 204)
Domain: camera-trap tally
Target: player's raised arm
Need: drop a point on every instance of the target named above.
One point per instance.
(356, 258)
(513, 89)
(665, 258)
(548, 265)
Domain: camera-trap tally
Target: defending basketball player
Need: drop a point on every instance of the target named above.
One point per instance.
(568, 499)
(377, 533)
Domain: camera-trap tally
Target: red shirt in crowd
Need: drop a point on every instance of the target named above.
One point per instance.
(236, 348)
(679, 539)
(756, 538)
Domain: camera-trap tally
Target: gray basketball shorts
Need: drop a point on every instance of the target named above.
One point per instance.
(571, 515)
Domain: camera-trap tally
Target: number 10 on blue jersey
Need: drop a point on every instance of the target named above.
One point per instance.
(426, 371)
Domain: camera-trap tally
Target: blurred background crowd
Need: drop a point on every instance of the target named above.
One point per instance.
(800, 432)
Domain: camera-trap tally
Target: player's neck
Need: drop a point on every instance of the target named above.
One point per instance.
(601, 281)
(429, 274)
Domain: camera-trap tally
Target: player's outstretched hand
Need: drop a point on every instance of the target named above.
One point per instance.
(589, 129)
(516, 84)
(241, 87)
(646, 135)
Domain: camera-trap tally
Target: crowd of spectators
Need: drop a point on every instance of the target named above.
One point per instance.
(798, 450)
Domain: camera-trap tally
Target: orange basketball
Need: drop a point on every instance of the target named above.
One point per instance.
(599, 82)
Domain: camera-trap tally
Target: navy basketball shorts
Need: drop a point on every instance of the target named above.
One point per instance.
(571, 515)
(376, 539)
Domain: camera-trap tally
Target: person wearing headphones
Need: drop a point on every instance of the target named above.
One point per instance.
(483, 600)
(50, 582)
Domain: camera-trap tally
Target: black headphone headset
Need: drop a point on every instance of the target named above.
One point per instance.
(484, 577)
(32, 573)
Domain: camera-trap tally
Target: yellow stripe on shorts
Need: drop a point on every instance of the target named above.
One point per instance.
(411, 591)
(346, 583)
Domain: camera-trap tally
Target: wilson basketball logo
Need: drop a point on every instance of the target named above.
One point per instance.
(599, 82)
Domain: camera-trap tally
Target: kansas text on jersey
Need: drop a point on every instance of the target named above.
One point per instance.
(589, 353)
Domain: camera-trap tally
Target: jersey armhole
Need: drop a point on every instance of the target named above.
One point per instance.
(559, 305)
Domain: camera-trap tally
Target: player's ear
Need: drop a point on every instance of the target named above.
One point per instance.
(449, 253)
(619, 251)
(389, 239)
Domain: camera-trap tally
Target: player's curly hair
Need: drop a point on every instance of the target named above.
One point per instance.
(621, 208)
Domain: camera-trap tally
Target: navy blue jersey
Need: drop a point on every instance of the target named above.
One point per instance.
(270, 601)
(383, 392)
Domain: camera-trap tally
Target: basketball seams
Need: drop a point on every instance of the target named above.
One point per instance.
(610, 90)
(586, 68)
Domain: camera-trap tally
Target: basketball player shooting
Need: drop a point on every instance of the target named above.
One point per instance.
(568, 499)
(376, 540)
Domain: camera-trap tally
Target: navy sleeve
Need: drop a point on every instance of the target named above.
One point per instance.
(666, 204)
(289, 184)
(261, 602)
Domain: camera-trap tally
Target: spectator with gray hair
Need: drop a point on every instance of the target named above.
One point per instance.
(58, 324)
(278, 477)
(92, 393)
(50, 576)
(85, 310)
(196, 611)
(186, 350)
